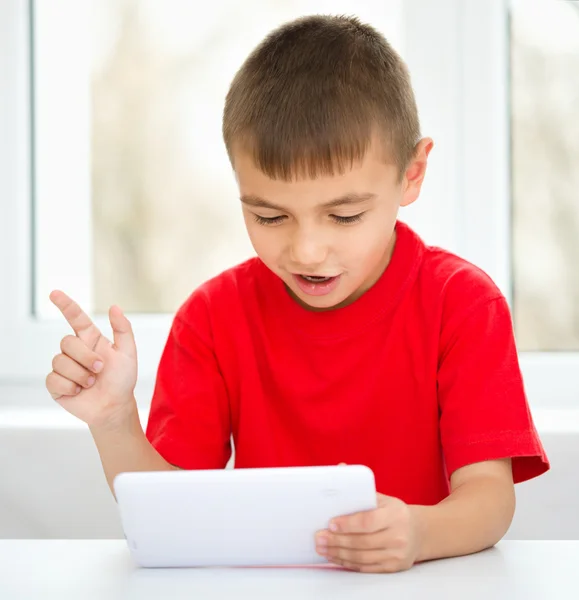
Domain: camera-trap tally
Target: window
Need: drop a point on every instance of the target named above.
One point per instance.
(158, 207)
(545, 173)
(500, 232)
(133, 199)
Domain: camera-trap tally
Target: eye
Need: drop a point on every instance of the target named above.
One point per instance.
(347, 220)
(269, 220)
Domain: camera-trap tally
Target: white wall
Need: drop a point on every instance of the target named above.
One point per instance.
(52, 484)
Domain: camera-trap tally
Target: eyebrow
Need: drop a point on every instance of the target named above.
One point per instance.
(347, 199)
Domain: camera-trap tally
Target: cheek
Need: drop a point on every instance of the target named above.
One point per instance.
(367, 247)
(265, 242)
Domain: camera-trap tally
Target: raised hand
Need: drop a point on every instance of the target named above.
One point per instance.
(92, 378)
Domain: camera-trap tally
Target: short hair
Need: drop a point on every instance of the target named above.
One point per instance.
(313, 95)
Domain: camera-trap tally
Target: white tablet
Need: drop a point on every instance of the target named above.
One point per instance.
(237, 517)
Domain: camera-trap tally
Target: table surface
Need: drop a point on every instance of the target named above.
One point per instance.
(103, 569)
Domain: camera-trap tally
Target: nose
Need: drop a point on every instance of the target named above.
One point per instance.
(308, 250)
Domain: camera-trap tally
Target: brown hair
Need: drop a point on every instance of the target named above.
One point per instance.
(313, 94)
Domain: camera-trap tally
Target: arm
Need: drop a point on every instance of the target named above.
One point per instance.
(188, 421)
(94, 379)
(475, 516)
(484, 418)
(124, 447)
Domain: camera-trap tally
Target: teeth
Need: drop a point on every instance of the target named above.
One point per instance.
(315, 279)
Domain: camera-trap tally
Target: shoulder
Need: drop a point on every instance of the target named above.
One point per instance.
(460, 285)
(443, 277)
(469, 304)
(456, 297)
(224, 292)
(453, 276)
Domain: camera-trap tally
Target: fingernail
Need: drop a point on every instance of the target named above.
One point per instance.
(333, 527)
(97, 366)
(322, 540)
(322, 550)
(90, 381)
(78, 388)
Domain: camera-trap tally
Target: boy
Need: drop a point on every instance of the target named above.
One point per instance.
(348, 339)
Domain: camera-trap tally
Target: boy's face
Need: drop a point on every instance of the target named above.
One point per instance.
(330, 238)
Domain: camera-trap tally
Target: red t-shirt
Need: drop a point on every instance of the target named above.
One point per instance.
(415, 379)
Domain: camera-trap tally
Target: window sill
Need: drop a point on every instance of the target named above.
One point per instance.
(548, 421)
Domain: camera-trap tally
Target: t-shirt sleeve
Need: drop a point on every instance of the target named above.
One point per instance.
(189, 420)
(484, 413)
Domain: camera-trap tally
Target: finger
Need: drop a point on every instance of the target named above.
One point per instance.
(123, 332)
(353, 541)
(356, 557)
(59, 386)
(350, 566)
(80, 322)
(70, 369)
(368, 521)
(76, 349)
(386, 566)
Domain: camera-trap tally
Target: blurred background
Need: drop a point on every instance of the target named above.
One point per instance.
(544, 111)
(115, 186)
(162, 191)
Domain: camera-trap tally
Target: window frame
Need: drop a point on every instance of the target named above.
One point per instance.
(27, 344)
(550, 377)
(469, 181)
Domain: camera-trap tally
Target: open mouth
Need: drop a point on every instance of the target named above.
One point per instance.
(316, 285)
(315, 278)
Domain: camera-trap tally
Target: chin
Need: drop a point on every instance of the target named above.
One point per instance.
(320, 303)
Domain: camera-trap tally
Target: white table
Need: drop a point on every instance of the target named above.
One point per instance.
(103, 569)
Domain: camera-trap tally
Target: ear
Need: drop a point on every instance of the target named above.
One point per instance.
(415, 172)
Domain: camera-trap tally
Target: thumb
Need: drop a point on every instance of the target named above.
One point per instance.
(122, 332)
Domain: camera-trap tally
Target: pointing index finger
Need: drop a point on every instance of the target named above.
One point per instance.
(80, 322)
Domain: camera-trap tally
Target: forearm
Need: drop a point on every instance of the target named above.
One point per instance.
(475, 516)
(126, 448)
